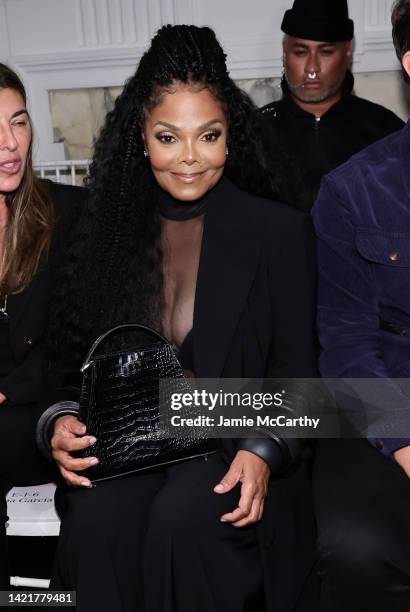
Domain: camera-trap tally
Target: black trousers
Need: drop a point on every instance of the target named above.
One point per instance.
(154, 542)
(362, 503)
(20, 464)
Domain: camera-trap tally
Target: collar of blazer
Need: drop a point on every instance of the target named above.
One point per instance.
(19, 303)
(231, 246)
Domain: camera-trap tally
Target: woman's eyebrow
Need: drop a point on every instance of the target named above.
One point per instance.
(175, 128)
(19, 112)
(170, 126)
(209, 123)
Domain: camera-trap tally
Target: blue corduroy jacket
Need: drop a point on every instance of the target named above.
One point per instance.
(362, 221)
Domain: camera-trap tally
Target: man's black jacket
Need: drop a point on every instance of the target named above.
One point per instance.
(320, 145)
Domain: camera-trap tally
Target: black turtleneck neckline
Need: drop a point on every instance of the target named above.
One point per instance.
(176, 210)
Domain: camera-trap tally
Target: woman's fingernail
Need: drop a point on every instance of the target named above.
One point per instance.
(93, 461)
(219, 488)
(92, 440)
(223, 520)
(86, 483)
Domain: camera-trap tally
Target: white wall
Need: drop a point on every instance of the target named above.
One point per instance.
(64, 44)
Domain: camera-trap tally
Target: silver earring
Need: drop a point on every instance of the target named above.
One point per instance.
(227, 151)
(146, 153)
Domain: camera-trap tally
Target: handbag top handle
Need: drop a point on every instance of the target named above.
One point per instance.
(113, 331)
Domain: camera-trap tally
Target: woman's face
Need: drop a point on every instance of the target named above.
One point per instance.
(185, 137)
(15, 139)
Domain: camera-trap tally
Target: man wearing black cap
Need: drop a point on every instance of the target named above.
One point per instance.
(318, 120)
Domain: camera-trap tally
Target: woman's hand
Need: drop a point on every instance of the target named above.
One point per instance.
(69, 436)
(2, 398)
(253, 472)
(402, 457)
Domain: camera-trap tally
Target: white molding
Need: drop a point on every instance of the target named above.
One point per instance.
(167, 11)
(103, 26)
(154, 16)
(79, 64)
(141, 20)
(116, 21)
(377, 52)
(4, 32)
(89, 22)
(114, 31)
(81, 61)
(130, 26)
(266, 65)
(104, 42)
(186, 11)
(378, 14)
(159, 13)
(79, 23)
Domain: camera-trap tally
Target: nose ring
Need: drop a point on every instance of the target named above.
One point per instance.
(312, 76)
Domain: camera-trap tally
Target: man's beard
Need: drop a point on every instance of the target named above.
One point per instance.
(298, 90)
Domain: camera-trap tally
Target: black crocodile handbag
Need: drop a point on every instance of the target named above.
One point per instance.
(121, 404)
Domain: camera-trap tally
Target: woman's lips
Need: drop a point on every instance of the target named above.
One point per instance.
(10, 167)
(188, 178)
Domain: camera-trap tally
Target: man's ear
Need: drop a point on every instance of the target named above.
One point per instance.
(405, 60)
(349, 50)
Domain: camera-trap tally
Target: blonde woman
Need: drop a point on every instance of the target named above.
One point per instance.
(34, 217)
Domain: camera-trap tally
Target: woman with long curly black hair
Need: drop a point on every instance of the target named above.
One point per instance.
(174, 236)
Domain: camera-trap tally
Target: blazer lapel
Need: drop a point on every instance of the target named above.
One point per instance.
(228, 262)
(18, 303)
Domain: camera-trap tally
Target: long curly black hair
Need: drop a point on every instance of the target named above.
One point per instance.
(113, 269)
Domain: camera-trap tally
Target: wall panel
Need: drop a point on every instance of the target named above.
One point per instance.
(64, 44)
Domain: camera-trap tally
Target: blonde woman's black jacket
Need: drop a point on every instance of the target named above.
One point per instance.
(28, 309)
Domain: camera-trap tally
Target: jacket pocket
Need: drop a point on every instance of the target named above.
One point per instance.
(384, 248)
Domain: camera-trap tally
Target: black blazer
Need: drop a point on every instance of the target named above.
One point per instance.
(255, 302)
(28, 309)
(255, 299)
(254, 316)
